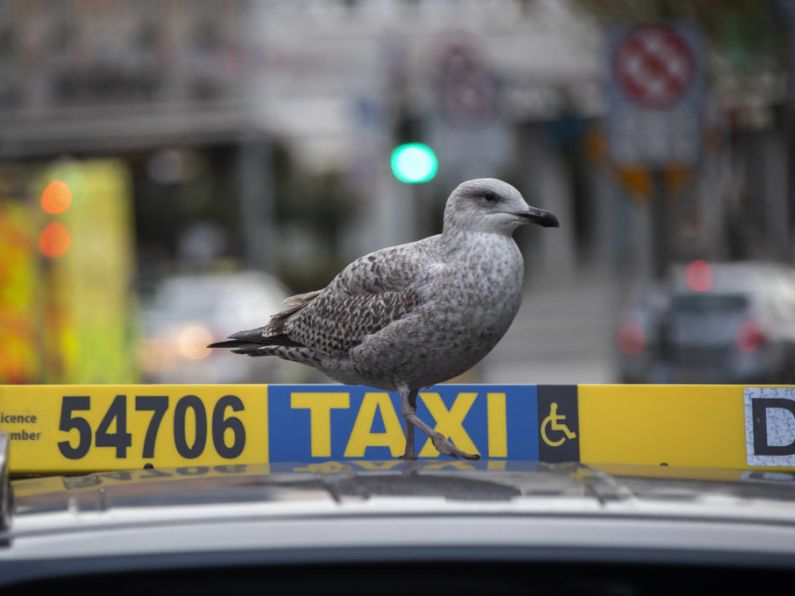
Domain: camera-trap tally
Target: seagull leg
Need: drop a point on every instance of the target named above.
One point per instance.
(408, 407)
(408, 402)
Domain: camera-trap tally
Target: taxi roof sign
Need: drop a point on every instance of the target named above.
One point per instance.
(82, 428)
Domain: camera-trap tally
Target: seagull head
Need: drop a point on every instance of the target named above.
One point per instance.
(491, 205)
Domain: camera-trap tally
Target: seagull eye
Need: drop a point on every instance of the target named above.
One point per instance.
(490, 196)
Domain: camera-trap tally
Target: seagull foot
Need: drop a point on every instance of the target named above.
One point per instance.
(445, 446)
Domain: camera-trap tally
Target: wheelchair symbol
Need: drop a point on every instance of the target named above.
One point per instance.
(556, 422)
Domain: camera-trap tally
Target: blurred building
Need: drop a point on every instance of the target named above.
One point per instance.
(333, 78)
(130, 79)
(260, 130)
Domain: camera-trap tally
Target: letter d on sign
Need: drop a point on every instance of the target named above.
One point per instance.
(770, 426)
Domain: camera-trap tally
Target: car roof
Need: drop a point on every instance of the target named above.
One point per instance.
(366, 512)
(165, 500)
(514, 484)
(745, 277)
(255, 280)
(250, 295)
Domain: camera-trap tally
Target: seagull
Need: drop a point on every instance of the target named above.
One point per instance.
(414, 315)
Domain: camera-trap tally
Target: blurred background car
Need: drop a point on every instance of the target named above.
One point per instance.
(712, 323)
(189, 311)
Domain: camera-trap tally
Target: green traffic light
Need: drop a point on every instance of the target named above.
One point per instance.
(413, 163)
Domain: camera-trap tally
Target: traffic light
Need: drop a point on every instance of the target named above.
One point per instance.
(56, 197)
(414, 163)
(55, 239)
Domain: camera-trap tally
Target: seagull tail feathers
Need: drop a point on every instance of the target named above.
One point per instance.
(271, 339)
(253, 343)
(252, 340)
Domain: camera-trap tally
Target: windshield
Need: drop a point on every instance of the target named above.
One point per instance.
(708, 319)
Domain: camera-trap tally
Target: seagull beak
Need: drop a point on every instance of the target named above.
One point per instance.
(538, 216)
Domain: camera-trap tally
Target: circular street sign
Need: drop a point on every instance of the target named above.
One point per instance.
(654, 66)
(466, 89)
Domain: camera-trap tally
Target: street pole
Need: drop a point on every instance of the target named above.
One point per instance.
(659, 228)
(255, 176)
(660, 258)
(256, 200)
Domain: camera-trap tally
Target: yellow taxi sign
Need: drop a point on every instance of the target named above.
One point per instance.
(104, 427)
(81, 428)
(668, 425)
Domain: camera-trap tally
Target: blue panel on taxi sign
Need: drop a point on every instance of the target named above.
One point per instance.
(332, 422)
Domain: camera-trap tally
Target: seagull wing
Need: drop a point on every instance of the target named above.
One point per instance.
(369, 294)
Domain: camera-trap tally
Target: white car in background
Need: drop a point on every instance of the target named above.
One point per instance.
(187, 312)
(712, 323)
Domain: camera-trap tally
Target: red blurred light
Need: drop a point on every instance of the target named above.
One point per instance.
(699, 276)
(750, 336)
(631, 338)
(54, 240)
(57, 197)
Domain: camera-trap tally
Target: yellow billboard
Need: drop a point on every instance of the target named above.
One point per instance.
(66, 269)
(86, 242)
(19, 291)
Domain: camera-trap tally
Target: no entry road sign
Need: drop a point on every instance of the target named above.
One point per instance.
(654, 66)
(655, 89)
